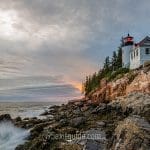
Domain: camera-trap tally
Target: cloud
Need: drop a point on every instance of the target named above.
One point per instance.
(66, 38)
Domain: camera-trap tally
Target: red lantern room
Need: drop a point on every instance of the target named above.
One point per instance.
(128, 40)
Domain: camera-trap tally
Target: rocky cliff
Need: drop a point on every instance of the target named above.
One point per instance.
(134, 81)
(122, 124)
(114, 117)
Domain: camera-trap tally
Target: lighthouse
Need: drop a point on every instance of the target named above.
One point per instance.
(134, 54)
(127, 45)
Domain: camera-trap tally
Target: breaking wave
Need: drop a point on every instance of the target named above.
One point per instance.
(11, 136)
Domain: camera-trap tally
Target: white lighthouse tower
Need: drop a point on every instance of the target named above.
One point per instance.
(127, 46)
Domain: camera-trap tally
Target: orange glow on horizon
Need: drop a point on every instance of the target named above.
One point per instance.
(77, 85)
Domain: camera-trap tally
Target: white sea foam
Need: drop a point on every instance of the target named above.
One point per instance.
(11, 136)
(25, 109)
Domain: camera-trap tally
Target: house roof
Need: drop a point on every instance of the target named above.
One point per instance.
(145, 41)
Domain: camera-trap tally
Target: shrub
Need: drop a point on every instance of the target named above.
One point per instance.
(120, 72)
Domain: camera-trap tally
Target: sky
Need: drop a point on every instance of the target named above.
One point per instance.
(61, 41)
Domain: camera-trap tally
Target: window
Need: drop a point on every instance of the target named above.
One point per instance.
(134, 54)
(131, 56)
(147, 51)
(137, 52)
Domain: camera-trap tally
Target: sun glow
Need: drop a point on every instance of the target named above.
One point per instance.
(77, 85)
(8, 20)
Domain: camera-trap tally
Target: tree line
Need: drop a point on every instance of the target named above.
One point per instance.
(110, 68)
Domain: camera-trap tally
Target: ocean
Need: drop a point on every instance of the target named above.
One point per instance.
(25, 109)
(11, 136)
(29, 97)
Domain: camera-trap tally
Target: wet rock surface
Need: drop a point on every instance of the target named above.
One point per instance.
(132, 133)
(76, 122)
(5, 117)
(119, 125)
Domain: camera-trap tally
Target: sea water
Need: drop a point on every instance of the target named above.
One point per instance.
(11, 136)
(28, 97)
(25, 109)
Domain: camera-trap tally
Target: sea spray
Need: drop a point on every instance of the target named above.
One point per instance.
(11, 136)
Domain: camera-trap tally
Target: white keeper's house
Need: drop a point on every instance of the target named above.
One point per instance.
(134, 54)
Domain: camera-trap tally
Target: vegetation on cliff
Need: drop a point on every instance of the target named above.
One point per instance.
(111, 68)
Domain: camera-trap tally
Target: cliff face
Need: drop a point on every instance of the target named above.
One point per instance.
(123, 124)
(141, 83)
(134, 81)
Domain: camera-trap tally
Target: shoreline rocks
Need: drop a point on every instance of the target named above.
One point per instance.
(121, 124)
(5, 117)
(132, 133)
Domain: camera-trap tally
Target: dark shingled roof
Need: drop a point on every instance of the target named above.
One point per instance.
(145, 41)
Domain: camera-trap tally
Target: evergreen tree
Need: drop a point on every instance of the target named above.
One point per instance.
(119, 58)
(86, 85)
(107, 65)
(114, 61)
(93, 81)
